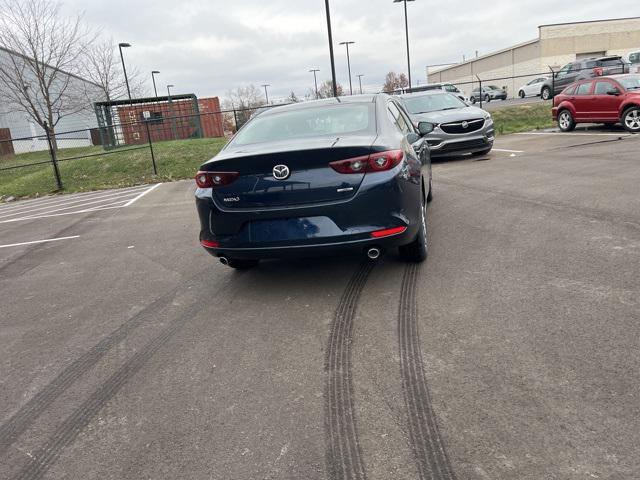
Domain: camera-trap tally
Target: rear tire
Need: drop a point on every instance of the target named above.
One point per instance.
(631, 119)
(242, 264)
(566, 123)
(487, 98)
(417, 250)
(545, 94)
(521, 94)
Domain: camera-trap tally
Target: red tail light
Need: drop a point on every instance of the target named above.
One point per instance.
(376, 162)
(215, 179)
(209, 244)
(598, 71)
(388, 232)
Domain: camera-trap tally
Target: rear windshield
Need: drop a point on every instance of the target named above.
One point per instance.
(432, 103)
(611, 62)
(630, 82)
(335, 120)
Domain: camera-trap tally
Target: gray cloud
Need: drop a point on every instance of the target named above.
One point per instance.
(209, 47)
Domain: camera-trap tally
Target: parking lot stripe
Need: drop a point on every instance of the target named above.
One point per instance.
(62, 200)
(71, 201)
(35, 217)
(577, 134)
(39, 241)
(507, 151)
(132, 201)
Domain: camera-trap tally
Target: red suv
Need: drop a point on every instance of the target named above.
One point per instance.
(607, 100)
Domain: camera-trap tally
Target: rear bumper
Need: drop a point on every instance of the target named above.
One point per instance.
(315, 249)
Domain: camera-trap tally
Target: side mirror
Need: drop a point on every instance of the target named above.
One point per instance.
(614, 92)
(413, 138)
(425, 128)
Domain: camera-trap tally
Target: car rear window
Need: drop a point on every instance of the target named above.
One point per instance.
(308, 122)
(613, 62)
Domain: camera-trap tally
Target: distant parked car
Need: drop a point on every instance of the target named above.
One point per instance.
(633, 59)
(444, 87)
(488, 93)
(606, 100)
(457, 127)
(581, 70)
(533, 88)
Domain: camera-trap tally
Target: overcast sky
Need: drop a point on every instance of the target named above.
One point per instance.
(207, 47)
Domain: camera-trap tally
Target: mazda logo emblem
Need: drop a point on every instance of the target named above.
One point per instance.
(465, 124)
(281, 172)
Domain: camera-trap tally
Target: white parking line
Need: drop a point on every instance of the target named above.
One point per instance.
(71, 203)
(95, 209)
(508, 151)
(39, 241)
(132, 201)
(576, 134)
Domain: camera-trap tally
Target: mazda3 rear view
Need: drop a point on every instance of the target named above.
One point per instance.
(318, 178)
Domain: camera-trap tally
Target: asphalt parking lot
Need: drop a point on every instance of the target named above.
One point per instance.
(126, 352)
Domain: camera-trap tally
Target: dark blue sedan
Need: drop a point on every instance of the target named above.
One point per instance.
(318, 178)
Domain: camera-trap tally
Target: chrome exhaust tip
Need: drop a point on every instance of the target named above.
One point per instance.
(224, 260)
(373, 253)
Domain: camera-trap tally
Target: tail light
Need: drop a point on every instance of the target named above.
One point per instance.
(209, 244)
(215, 179)
(376, 162)
(598, 71)
(388, 232)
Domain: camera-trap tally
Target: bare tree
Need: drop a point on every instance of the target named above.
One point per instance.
(393, 82)
(325, 90)
(38, 71)
(100, 64)
(245, 101)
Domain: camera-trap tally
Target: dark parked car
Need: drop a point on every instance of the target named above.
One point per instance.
(581, 70)
(488, 93)
(317, 178)
(603, 100)
(457, 127)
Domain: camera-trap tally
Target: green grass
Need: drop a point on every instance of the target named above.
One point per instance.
(117, 168)
(522, 118)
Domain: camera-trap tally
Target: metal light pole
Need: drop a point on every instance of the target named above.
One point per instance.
(406, 27)
(124, 69)
(346, 44)
(360, 80)
(333, 63)
(155, 90)
(315, 79)
(266, 95)
(173, 119)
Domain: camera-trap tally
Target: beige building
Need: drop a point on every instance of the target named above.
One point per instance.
(555, 46)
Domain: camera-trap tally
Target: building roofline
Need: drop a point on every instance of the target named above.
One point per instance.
(589, 21)
(18, 54)
(487, 55)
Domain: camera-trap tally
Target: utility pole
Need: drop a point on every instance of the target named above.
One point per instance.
(315, 79)
(406, 27)
(333, 63)
(266, 95)
(360, 80)
(346, 44)
(124, 68)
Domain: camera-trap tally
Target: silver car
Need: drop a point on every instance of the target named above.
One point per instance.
(457, 127)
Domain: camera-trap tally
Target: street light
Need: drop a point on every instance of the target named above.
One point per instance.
(266, 95)
(333, 63)
(360, 80)
(315, 79)
(346, 44)
(124, 69)
(406, 27)
(153, 73)
(173, 118)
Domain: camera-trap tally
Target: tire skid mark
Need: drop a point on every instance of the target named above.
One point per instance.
(43, 458)
(343, 455)
(19, 422)
(428, 448)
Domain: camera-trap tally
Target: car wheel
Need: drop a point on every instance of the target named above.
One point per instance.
(473, 100)
(482, 152)
(487, 98)
(430, 194)
(241, 264)
(418, 250)
(546, 93)
(521, 94)
(566, 123)
(631, 119)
